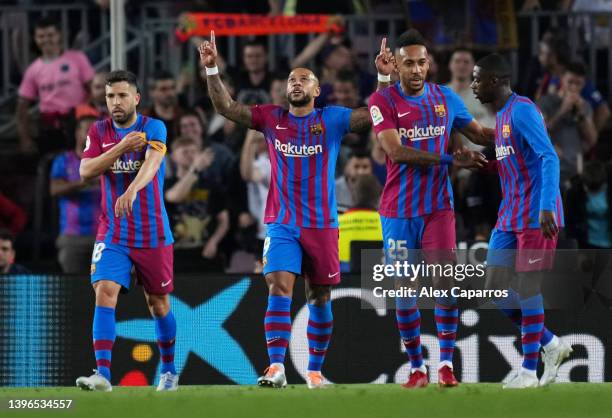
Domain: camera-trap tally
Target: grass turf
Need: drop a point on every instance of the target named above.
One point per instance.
(468, 400)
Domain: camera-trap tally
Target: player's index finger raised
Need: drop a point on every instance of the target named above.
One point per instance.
(383, 45)
(212, 37)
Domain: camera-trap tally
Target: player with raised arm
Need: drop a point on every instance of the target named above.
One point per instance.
(127, 152)
(301, 215)
(529, 218)
(413, 120)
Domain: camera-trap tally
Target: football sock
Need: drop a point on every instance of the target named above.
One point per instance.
(278, 327)
(165, 331)
(409, 326)
(319, 332)
(447, 316)
(532, 326)
(103, 338)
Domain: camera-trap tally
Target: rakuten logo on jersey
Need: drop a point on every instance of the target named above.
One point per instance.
(503, 152)
(129, 166)
(292, 150)
(419, 134)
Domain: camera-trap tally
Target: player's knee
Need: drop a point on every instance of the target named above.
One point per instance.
(529, 284)
(107, 293)
(498, 278)
(279, 289)
(159, 305)
(318, 295)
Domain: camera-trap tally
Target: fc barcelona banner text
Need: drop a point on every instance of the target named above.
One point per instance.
(235, 24)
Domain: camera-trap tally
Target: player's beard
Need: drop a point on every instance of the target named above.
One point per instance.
(122, 118)
(303, 101)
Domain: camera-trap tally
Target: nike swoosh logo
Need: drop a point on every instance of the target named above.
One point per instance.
(422, 138)
(332, 275)
(164, 284)
(446, 332)
(535, 260)
(401, 115)
(501, 158)
(271, 340)
(105, 145)
(281, 127)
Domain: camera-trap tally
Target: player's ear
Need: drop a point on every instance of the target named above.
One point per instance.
(137, 98)
(317, 91)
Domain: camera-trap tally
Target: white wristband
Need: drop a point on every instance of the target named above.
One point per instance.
(212, 71)
(384, 78)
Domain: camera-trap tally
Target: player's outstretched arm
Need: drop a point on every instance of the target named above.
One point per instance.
(92, 167)
(478, 134)
(150, 167)
(399, 154)
(221, 99)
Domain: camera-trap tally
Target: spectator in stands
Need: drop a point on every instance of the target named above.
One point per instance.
(165, 105)
(336, 55)
(79, 205)
(569, 119)
(461, 65)
(278, 90)
(191, 125)
(200, 220)
(7, 255)
(59, 80)
(223, 130)
(96, 105)
(12, 216)
(362, 221)
(553, 59)
(253, 83)
(346, 90)
(359, 163)
(588, 204)
(255, 170)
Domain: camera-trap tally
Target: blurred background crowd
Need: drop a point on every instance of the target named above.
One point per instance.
(54, 61)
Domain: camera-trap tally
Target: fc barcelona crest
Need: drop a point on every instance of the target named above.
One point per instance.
(316, 129)
(505, 131)
(440, 110)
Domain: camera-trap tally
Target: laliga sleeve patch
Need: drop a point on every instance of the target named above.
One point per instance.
(376, 115)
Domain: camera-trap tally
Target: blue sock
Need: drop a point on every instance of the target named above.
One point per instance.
(165, 331)
(532, 325)
(278, 327)
(103, 338)
(510, 306)
(409, 326)
(319, 332)
(447, 318)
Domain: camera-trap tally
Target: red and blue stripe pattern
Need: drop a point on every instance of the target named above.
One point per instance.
(148, 225)
(319, 332)
(303, 153)
(277, 324)
(409, 325)
(528, 167)
(424, 123)
(532, 327)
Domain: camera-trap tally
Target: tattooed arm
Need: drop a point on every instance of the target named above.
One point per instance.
(221, 99)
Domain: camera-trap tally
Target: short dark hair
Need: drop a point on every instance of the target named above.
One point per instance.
(194, 113)
(347, 76)
(366, 191)
(159, 75)
(463, 49)
(495, 65)
(410, 37)
(6, 235)
(255, 42)
(576, 67)
(118, 76)
(48, 21)
(359, 153)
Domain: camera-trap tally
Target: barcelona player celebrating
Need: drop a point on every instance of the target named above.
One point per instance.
(529, 218)
(127, 152)
(301, 215)
(413, 120)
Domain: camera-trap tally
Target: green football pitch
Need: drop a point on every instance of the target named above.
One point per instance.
(468, 400)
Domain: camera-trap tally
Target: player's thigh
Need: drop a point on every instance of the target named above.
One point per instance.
(154, 269)
(282, 250)
(321, 263)
(439, 242)
(502, 249)
(401, 236)
(111, 262)
(534, 251)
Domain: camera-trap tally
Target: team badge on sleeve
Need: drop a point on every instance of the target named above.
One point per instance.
(376, 114)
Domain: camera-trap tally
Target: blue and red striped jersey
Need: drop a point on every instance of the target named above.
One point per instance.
(147, 226)
(423, 122)
(303, 153)
(528, 166)
(78, 212)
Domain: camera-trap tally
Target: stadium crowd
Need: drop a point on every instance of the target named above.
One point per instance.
(218, 173)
